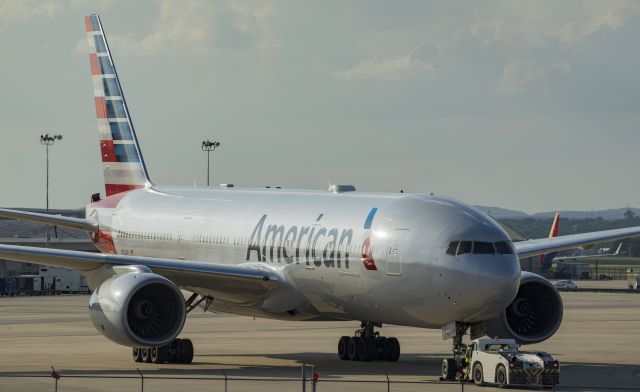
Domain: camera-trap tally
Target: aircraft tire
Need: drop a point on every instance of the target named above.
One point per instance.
(159, 354)
(381, 348)
(449, 369)
(137, 354)
(343, 348)
(366, 349)
(185, 351)
(353, 348)
(392, 350)
(146, 355)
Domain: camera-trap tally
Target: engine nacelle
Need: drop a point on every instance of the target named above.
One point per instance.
(138, 309)
(533, 316)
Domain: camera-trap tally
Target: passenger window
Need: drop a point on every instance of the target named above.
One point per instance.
(453, 246)
(483, 248)
(465, 247)
(503, 248)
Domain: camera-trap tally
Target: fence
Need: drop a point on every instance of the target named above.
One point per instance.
(308, 381)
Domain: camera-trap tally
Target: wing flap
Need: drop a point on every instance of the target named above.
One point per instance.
(555, 244)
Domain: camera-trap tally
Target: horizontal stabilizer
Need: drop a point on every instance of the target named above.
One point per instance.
(57, 220)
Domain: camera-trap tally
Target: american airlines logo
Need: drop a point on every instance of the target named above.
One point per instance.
(312, 245)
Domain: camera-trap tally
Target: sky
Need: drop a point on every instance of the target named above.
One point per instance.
(525, 105)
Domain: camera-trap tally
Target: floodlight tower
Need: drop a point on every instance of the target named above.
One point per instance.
(208, 146)
(48, 140)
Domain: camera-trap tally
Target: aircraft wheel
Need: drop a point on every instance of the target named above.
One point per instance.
(478, 375)
(449, 369)
(381, 348)
(366, 349)
(352, 351)
(137, 354)
(343, 348)
(185, 351)
(501, 375)
(392, 347)
(159, 354)
(146, 355)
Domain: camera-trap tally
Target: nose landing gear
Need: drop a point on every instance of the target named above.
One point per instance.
(368, 345)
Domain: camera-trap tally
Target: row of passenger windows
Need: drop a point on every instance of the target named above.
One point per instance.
(478, 247)
(217, 239)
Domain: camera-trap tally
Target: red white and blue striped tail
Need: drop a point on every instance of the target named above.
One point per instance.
(122, 161)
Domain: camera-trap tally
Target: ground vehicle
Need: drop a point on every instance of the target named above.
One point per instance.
(500, 361)
(564, 284)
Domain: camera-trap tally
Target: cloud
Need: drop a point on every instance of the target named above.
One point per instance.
(387, 68)
(12, 10)
(520, 73)
(204, 26)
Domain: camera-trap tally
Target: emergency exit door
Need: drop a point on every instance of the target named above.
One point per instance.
(396, 250)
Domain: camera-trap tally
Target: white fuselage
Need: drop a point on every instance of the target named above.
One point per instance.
(347, 256)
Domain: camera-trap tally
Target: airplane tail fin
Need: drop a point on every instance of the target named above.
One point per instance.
(617, 252)
(122, 161)
(548, 258)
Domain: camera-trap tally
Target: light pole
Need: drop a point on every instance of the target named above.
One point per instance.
(209, 146)
(48, 140)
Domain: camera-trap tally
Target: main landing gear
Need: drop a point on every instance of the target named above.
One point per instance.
(368, 345)
(178, 351)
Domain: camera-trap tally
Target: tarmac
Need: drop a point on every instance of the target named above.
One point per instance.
(597, 344)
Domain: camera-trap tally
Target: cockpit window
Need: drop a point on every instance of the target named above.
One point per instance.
(453, 247)
(503, 248)
(483, 248)
(465, 247)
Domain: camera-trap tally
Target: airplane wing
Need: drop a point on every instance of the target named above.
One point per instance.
(555, 244)
(64, 221)
(232, 281)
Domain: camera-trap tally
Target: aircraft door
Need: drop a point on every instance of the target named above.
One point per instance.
(395, 251)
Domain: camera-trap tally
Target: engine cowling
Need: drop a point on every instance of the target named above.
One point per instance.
(138, 309)
(533, 316)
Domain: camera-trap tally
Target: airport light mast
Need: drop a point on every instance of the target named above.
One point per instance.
(48, 140)
(208, 146)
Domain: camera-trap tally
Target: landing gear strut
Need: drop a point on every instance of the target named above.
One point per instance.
(178, 351)
(368, 345)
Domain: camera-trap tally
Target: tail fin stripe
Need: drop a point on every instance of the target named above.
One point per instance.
(101, 107)
(95, 65)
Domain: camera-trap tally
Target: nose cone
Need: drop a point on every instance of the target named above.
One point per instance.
(483, 275)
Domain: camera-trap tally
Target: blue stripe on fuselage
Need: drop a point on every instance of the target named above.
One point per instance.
(367, 223)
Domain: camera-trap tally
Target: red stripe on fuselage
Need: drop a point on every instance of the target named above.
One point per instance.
(108, 152)
(112, 189)
(104, 241)
(101, 107)
(95, 65)
(87, 23)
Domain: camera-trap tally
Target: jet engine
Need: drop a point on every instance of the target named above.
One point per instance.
(533, 316)
(138, 309)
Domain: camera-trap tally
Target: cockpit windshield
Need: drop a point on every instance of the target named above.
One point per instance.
(457, 248)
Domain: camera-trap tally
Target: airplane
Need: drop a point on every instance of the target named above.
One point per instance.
(408, 259)
(547, 259)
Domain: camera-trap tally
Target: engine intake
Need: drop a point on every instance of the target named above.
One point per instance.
(138, 309)
(533, 316)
